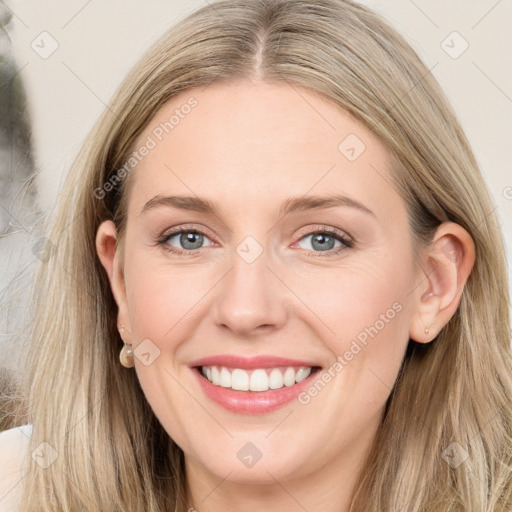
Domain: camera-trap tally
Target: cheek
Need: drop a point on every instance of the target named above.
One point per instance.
(360, 300)
(366, 309)
(159, 295)
(149, 309)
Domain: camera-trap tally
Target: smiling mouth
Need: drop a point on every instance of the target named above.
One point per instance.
(257, 379)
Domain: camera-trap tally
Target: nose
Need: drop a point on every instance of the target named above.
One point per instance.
(252, 299)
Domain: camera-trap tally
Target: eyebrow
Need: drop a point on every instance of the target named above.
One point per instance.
(291, 205)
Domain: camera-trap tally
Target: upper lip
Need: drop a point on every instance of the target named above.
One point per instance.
(238, 361)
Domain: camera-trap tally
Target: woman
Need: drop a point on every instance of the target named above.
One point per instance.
(278, 284)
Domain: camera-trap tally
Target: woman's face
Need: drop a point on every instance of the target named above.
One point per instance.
(264, 232)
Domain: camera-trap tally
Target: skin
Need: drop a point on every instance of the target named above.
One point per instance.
(247, 148)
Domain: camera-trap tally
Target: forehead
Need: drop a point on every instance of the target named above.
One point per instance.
(252, 144)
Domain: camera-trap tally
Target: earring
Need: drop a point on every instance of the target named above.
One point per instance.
(126, 354)
(426, 330)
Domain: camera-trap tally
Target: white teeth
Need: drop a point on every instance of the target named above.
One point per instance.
(276, 379)
(239, 380)
(259, 380)
(225, 378)
(289, 377)
(302, 373)
(215, 376)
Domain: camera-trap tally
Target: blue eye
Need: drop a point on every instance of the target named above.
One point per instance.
(189, 239)
(323, 241)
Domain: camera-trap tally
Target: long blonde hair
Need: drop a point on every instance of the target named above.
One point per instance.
(111, 451)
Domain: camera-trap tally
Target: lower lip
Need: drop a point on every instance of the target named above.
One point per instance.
(252, 402)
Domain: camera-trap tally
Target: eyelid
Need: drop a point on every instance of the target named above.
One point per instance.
(187, 227)
(324, 229)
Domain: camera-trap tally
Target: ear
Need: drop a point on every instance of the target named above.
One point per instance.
(106, 239)
(447, 264)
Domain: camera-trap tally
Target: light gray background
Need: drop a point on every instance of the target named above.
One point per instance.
(98, 42)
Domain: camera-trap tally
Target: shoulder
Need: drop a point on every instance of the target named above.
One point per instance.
(13, 452)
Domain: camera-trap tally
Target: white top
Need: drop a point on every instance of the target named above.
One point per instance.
(13, 466)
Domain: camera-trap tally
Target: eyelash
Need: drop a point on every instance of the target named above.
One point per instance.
(346, 243)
